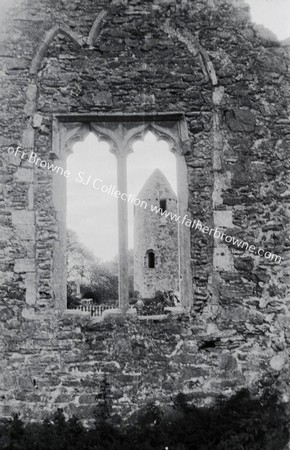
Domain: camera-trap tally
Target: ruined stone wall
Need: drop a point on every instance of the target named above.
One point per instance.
(204, 59)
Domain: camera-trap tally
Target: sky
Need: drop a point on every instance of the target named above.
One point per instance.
(273, 14)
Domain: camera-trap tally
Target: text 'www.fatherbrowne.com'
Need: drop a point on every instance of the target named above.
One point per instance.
(216, 233)
(98, 185)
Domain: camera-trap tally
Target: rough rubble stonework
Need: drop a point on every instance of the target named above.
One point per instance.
(153, 232)
(206, 60)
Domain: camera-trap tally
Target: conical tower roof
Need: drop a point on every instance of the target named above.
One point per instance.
(155, 183)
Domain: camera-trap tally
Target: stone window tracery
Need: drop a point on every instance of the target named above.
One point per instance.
(121, 132)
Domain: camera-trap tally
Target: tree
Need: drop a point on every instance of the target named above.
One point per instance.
(88, 277)
(79, 263)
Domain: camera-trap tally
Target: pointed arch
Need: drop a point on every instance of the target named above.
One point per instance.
(46, 41)
(74, 134)
(120, 130)
(196, 49)
(96, 27)
(138, 133)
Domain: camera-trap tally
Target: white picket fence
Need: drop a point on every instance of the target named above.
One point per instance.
(95, 310)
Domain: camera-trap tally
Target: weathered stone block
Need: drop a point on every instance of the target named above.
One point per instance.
(24, 224)
(240, 120)
(228, 363)
(31, 288)
(6, 314)
(37, 120)
(279, 361)
(23, 218)
(223, 219)
(244, 264)
(24, 265)
(24, 175)
(223, 259)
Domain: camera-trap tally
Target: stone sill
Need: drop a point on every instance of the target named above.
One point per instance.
(76, 312)
(117, 312)
(153, 317)
(87, 314)
(31, 314)
(174, 311)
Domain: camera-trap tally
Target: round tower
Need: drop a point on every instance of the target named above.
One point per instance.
(156, 264)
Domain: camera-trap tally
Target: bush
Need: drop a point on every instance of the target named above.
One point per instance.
(240, 423)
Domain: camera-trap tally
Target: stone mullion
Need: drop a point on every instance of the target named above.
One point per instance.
(123, 229)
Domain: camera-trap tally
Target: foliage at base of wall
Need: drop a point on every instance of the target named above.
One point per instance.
(242, 422)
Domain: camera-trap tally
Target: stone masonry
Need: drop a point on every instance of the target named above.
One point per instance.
(206, 61)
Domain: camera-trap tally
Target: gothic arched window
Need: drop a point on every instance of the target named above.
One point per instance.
(121, 132)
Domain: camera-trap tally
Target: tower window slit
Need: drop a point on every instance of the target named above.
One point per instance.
(151, 260)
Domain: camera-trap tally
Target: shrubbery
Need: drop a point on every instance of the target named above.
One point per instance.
(240, 423)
